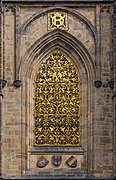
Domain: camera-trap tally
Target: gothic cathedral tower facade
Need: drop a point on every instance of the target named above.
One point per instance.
(57, 89)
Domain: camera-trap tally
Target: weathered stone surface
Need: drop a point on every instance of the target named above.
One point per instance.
(25, 42)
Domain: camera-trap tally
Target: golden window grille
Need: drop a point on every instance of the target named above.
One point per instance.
(57, 105)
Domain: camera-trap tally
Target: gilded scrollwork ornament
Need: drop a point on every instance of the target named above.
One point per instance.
(57, 102)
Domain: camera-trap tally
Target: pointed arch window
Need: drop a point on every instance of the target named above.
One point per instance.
(57, 102)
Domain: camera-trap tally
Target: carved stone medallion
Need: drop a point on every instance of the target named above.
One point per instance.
(72, 162)
(42, 162)
(56, 160)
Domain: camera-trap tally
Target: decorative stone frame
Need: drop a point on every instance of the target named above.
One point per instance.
(87, 74)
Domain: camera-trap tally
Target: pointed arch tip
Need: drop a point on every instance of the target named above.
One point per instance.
(59, 35)
(60, 39)
(66, 9)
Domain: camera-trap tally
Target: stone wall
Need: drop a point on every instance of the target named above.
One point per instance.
(25, 42)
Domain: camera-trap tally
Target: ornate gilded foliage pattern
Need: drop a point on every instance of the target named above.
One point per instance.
(57, 106)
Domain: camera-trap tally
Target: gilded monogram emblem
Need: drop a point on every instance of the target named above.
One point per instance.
(57, 20)
(56, 160)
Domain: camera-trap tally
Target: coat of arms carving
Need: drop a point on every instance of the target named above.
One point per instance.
(56, 160)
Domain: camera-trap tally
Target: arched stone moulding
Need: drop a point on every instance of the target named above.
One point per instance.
(29, 65)
(49, 40)
(68, 10)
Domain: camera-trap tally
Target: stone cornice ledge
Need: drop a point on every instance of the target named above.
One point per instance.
(88, 1)
(57, 149)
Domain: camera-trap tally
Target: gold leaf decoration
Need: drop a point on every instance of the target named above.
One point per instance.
(57, 102)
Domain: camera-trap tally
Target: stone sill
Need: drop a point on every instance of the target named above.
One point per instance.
(57, 149)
